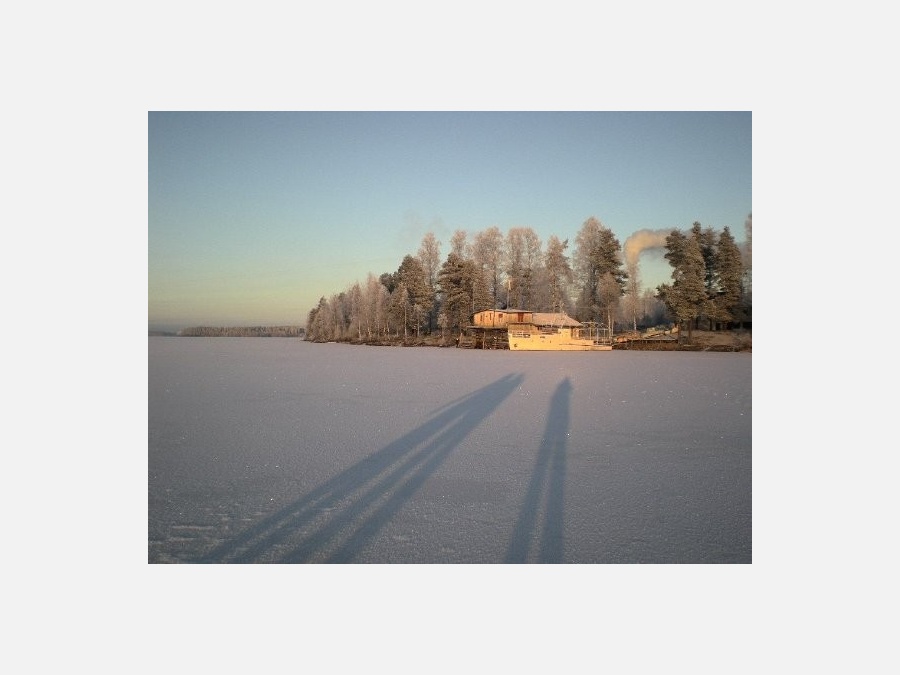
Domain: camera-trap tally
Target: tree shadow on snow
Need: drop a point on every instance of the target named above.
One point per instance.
(336, 520)
(547, 486)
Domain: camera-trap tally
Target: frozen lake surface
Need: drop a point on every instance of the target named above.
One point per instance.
(282, 451)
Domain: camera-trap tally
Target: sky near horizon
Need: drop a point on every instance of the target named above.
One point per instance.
(253, 216)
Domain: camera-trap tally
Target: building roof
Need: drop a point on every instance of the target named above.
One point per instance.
(555, 319)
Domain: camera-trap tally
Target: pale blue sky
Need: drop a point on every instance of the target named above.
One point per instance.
(254, 216)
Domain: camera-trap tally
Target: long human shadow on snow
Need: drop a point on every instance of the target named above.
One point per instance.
(548, 486)
(334, 521)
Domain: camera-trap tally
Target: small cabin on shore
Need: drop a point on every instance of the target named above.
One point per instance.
(489, 328)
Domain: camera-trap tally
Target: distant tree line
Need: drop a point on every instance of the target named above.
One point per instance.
(241, 331)
(426, 296)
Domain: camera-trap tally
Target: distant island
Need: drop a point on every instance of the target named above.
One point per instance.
(235, 331)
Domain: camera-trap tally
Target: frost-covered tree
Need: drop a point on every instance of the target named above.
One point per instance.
(400, 309)
(487, 254)
(522, 260)
(558, 274)
(685, 297)
(354, 309)
(722, 274)
(706, 238)
(728, 275)
(653, 309)
(411, 275)
(374, 305)
(459, 245)
(633, 294)
(598, 266)
(429, 256)
(746, 313)
(319, 322)
(456, 281)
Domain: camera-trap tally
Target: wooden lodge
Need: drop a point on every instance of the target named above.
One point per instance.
(524, 329)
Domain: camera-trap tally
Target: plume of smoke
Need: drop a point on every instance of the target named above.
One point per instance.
(643, 240)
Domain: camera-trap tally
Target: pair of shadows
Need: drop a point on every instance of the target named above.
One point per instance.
(546, 488)
(336, 520)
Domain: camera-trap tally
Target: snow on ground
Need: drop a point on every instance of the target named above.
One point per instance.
(278, 450)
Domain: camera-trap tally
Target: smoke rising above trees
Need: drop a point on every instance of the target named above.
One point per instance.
(644, 240)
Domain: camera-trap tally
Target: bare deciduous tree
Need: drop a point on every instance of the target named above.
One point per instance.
(459, 245)
(487, 253)
(522, 260)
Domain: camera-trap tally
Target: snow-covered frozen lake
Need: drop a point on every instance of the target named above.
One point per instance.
(282, 451)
